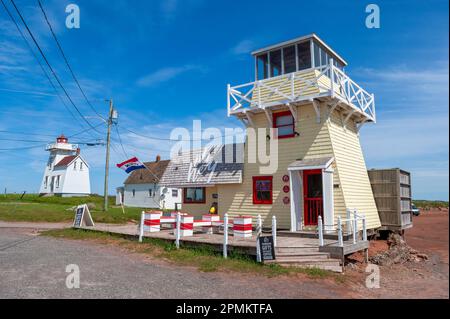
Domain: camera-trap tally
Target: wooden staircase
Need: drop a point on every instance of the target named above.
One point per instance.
(305, 257)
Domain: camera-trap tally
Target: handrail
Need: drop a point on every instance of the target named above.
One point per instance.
(352, 224)
(286, 88)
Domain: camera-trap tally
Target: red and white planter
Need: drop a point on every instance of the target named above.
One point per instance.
(152, 222)
(242, 226)
(210, 219)
(186, 225)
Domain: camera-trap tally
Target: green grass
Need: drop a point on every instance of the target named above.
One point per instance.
(204, 258)
(430, 203)
(33, 208)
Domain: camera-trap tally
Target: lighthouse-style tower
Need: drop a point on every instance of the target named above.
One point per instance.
(301, 89)
(66, 173)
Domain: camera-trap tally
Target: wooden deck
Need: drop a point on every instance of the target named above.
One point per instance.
(290, 251)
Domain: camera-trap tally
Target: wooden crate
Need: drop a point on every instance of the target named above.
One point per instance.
(392, 192)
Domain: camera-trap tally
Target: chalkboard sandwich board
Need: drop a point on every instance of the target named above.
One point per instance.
(82, 217)
(266, 248)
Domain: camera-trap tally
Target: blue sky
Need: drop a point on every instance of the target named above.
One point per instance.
(166, 63)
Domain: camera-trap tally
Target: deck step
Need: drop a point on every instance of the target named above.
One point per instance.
(305, 260)
(296, 250)
(319, 255)
(333, 268)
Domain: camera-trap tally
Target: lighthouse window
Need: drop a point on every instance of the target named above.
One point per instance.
(316, 55)
(57, 180)
(46, 181)
(304, 55)
(75, 165)
(275, 63)
(81, 166)
(289, 59)
(284, 122)
(262, 66)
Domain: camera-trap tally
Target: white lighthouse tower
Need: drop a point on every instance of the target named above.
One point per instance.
(66, 173)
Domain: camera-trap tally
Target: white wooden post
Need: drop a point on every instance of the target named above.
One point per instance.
(340, 238)
(258, 226)
(225, 236)
(274, 230)
(364, 228)
(228, 99)
(355, 228)
(141, 227)
(320, 226)
(332, 77)
(177, 230)
(349, 221)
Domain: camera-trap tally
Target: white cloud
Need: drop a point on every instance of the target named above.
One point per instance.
(164, 75)
(243, 47)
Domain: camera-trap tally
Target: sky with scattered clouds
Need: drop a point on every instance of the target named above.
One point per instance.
(166, 63)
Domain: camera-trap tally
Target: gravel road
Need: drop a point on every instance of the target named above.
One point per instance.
(33, 266)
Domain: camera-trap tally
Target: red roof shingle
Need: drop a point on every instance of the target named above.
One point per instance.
(66, 160)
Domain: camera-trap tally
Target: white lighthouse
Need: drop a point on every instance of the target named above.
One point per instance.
(66, 173)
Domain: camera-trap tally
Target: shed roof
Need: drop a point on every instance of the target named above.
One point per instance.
(151, 175)
(221, 164)
(312, 163)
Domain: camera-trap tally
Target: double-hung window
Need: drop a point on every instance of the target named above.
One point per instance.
(284, 122)
(262, 190)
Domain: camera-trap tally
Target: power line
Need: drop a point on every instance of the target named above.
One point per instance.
(42, 145)
(48, 64)
(65, 59)
(36, 58)
(173, 140)
(48, 135)
(120, 140)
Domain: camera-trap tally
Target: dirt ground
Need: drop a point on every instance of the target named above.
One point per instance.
(425, 279)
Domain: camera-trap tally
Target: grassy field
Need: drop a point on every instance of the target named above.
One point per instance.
(204, 258)
(430, 203)
(59, 209)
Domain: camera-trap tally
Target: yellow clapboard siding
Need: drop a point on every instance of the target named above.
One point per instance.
(355, 184)
(314, 141)
(283, 84)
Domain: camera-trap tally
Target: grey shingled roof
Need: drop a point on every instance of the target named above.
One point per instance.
(312, 162)
(206, 167)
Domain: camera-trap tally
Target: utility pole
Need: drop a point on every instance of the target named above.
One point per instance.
(108, 140)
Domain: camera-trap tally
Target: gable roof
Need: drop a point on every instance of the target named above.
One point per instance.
(151, 175)
(221, 164)
(65, 161)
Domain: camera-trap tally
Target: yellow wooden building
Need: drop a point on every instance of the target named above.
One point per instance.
(302, 92)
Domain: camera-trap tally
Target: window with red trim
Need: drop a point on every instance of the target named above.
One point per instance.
(284, 122)
(262, 190)
(194, 195)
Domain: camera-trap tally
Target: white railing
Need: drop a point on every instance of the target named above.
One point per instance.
(303, 85)
(65, 146)
(352, 227)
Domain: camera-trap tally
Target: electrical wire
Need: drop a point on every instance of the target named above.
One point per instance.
(173, 140)
(66, 60)
(49, 65)
(37, 59)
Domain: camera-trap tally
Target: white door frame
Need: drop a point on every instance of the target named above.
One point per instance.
(296, 194)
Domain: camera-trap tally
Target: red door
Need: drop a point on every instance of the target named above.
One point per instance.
(312, 196)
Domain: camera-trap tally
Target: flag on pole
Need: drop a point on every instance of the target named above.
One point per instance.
(131, 165)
